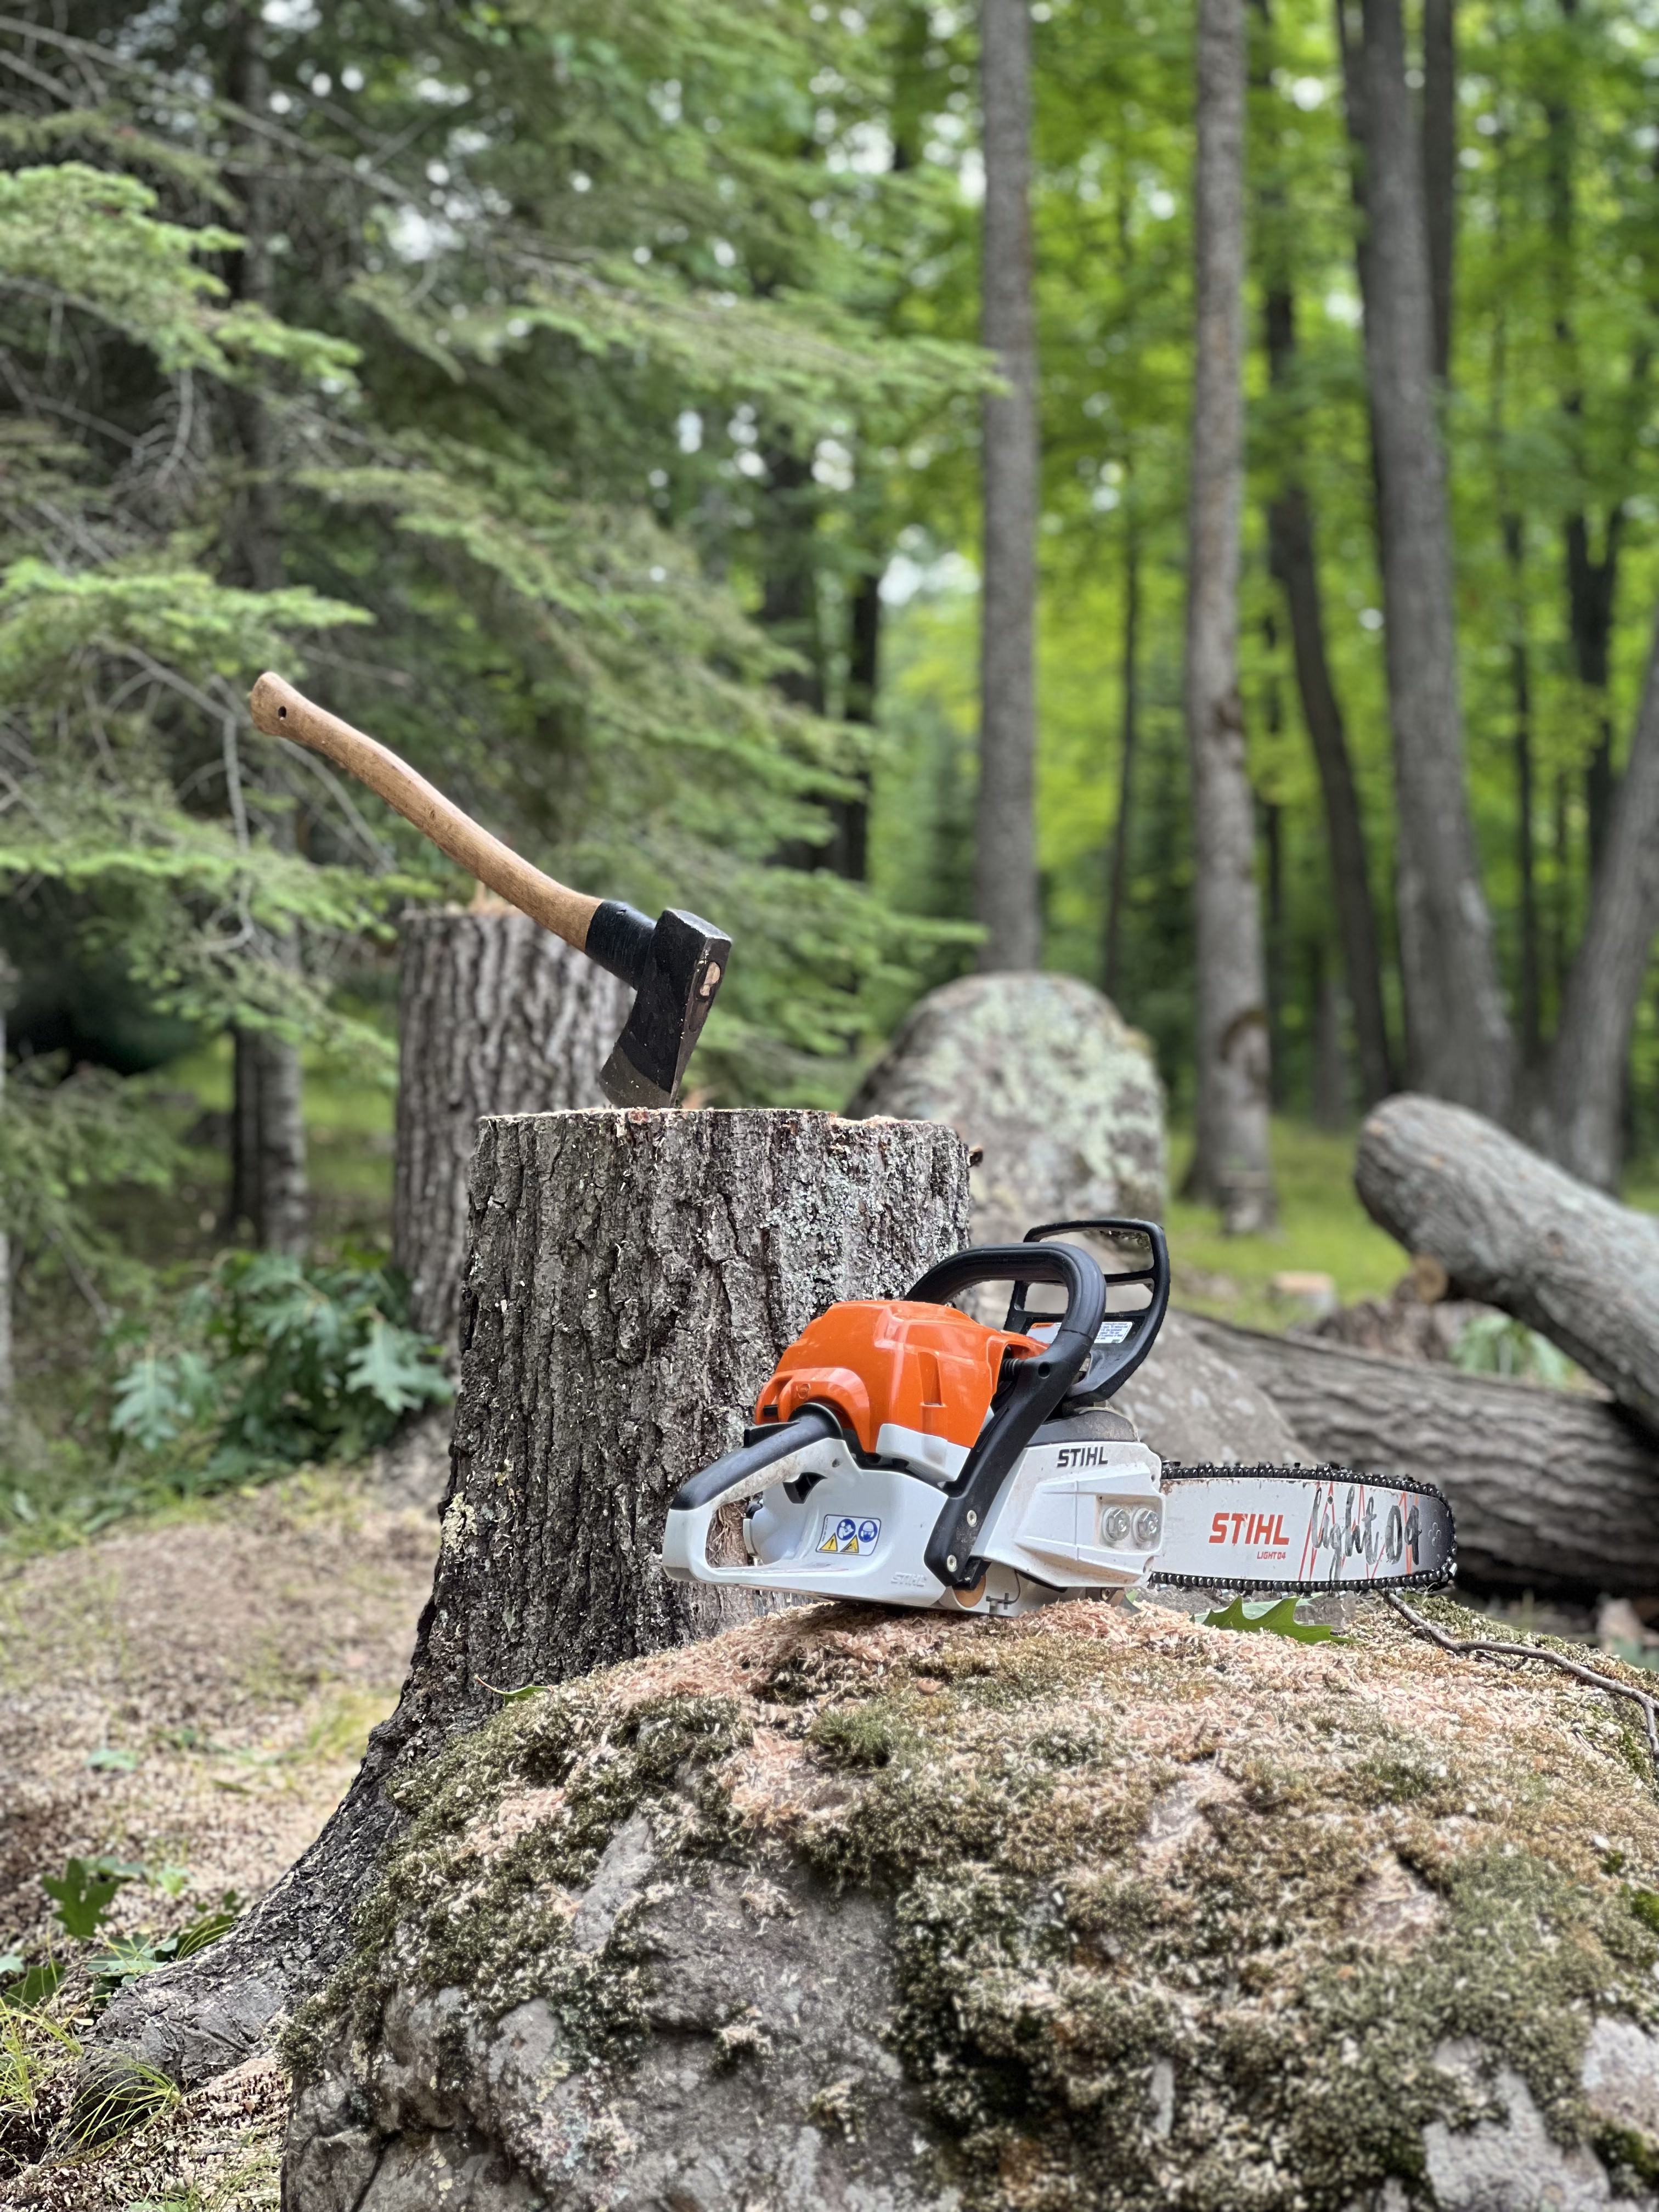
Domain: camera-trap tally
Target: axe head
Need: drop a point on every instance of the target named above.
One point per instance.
(676, 966)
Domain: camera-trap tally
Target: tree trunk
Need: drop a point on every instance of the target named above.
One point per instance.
(1554, 1491)
(789, 588)
(848, 851)
(8, 1376)
(1458, 1034)
(495, 1017)
(1295, 564)
(1270, 815)
(268, 1169)
(1604, 988)
(1591, 583)
(1440, 168)
(1231, 1164)
(632, 1279)
(1532, 980)
(1513, 1230)
(1330, 1062)
(268, 1187)
(1006, 900)
(1117, 887)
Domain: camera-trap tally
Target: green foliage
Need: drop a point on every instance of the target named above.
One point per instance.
(279, 1362)
(1277, 1616)
(84, 1891)
(130, 1956)
(1493, 1344)
(91, 236)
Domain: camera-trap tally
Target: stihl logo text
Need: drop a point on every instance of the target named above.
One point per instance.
(1249, 1528)
(1085, 1456)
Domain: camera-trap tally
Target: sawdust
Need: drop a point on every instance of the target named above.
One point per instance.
(238, 1659)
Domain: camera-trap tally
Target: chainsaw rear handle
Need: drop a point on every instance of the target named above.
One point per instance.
(1036, 1386)
(1110, 1366)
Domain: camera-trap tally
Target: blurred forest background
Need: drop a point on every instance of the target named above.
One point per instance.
(590, 401)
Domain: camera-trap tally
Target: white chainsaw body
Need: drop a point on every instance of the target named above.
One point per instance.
(859, 1532)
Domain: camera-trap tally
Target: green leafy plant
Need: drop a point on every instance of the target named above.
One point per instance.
(280, 1362)
(1493, 1344)
(83, 1892)
(1276, 1617)
(130, 1956)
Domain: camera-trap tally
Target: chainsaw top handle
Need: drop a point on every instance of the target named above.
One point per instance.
(1038, 1384)
(1110, 1364)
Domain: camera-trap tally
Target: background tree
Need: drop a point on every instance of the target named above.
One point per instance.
(1457, 1032)
(1232, 1162)
(1006, 898)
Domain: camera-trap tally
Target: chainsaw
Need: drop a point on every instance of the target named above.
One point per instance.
(906, 1454)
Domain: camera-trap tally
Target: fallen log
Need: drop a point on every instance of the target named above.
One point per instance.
(1513, 1230)
(1555, 1490)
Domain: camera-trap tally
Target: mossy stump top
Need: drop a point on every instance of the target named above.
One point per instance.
(1101, 1908)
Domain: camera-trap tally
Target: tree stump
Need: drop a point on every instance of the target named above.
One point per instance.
(1514, 1230)
(633, 1276)
(496, 1016)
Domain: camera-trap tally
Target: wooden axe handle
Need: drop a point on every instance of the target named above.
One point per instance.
(281, 712)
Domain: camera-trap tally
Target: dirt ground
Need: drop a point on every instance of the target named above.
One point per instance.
(191, 1697)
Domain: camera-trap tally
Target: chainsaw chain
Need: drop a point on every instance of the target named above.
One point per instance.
(1425, 1577)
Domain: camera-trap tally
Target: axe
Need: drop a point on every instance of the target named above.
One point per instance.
(674, 963)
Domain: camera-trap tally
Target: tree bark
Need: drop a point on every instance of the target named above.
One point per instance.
(1554, 1491)
(496, 1016)
(268, 1166)
(1440, 168)
(1604, 987)
(1232, 1163)
(849, 849)
(1295, 564)
(789, 588)
(1006, 899)
(1117, 885)
(632, 1279)
(1591, 582)
(1458, 1033)
(8, 1375)
(268, 1184)
(1513, 1230)
(1331, 1103)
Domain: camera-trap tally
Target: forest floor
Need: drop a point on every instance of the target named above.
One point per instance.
(189, 1698)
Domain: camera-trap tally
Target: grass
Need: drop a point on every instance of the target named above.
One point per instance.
(1323, 1229)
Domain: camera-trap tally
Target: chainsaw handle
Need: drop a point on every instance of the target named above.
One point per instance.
(813, 1425)
(1111, 1365)
(1036, 1384)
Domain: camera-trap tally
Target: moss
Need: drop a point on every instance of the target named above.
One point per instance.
(993, 1784)
(856, 1735)
(451, 1911)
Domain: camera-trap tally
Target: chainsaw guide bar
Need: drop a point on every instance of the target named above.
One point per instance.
(1435, 1522)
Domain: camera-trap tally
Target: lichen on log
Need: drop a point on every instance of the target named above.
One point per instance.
(1513, 1230)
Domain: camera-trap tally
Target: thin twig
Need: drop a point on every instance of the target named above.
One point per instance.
(1506, 1653)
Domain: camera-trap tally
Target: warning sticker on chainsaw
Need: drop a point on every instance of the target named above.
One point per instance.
(849, 1536)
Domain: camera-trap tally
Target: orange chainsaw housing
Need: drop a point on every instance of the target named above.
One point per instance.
(880, 1361)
